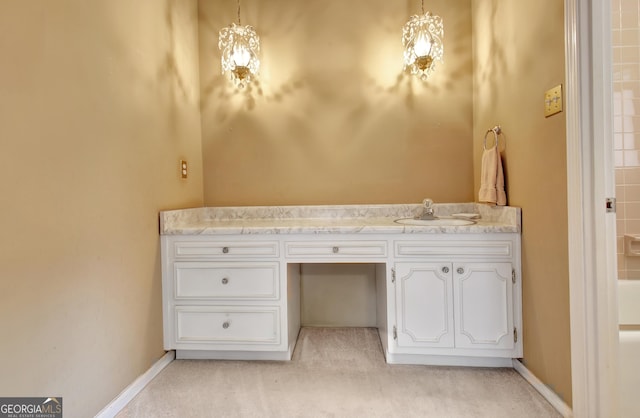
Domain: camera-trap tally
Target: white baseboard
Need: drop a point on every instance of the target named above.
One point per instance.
(546, 393)
(116, 405)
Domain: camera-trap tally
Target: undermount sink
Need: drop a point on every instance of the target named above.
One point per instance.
(435, 222)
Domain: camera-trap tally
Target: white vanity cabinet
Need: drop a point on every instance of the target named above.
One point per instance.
(444, 294)
(456, 297)
(223, 298)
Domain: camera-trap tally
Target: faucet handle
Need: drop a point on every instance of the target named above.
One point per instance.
(427, 203)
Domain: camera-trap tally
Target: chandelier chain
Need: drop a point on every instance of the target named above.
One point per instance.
(239, 13)
(422, 6)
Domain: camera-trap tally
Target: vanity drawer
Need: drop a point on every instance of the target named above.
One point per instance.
(202, 280)
(337, 249)
(224, 249)
(491, 249)
(230, 324)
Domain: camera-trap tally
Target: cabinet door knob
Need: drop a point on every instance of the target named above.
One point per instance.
(225, 250)
(460, 270)
(225, 325)
(445, 269)
(225, 280)
(336, 250)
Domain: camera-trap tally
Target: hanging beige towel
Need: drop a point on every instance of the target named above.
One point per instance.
(492, 178)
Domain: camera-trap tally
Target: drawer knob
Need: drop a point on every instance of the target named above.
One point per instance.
(225, 325)
(460, 270)
(445, 269)
(336, 250)
(225, 250)
(225, 281)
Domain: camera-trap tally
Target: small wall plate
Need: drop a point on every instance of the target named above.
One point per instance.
(553, 101)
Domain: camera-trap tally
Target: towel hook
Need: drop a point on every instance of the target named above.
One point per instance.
(497, 130)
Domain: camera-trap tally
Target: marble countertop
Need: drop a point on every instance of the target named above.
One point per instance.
(346, 219)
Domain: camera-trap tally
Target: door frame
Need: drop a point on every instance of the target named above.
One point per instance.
(591, 235)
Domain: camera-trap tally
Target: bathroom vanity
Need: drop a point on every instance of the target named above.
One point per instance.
(446, 293)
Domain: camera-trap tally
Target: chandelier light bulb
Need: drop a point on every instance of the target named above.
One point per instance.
(240, 55)
(423, 44)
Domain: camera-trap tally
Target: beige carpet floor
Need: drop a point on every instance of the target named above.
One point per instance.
(335, 372)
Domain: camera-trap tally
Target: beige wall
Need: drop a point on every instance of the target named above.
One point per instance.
(518, 55)
(98, 101)
(334, 120)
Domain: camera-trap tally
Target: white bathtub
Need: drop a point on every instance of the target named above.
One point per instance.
(629, 361)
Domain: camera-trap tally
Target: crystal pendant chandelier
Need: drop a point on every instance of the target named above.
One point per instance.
(422, 41)
(240, 46)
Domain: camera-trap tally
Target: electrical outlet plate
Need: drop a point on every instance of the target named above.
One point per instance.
(553, 101)
(183, 169)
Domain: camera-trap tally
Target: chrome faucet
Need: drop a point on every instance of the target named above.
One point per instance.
(427, 214)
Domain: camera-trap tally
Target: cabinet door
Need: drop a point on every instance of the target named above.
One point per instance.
(483, 294)
(424, 304)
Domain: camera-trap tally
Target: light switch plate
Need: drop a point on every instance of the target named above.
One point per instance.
(183, 169)
(553, 101)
